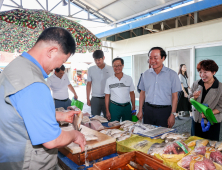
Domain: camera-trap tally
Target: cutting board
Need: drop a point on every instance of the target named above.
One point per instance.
(102, 139)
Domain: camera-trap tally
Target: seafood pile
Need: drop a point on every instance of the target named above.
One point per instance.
(196, 162)
(141, 144)
(156, 148)
(114, 123)
(94, 124)
(116, 133)
(171, 137)
(205, 142)
(173, 151)
(99, 118)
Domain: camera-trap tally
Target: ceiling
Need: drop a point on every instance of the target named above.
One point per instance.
(117, 11)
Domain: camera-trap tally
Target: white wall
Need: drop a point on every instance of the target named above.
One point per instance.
(201, 33)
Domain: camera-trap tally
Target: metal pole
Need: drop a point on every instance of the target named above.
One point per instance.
(69, 7)
(1, 2)
(21, 3)
(47, 5)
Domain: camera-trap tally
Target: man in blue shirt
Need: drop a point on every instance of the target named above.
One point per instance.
(159, 86)
(29, 132)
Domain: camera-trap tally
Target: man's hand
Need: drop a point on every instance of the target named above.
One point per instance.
(186, 95)
(171, 121)
(80, 139)
(75, 97)
(68, 116)
(196, 94)
(140, 115)
(88, 102)
(108, 115)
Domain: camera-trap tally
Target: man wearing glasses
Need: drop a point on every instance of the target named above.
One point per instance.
(159, 86)
(97, 76)
(119, 92)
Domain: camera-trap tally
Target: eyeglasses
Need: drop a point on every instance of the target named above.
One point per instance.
(117, 66)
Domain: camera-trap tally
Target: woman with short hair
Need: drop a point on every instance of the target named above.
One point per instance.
(207, 90)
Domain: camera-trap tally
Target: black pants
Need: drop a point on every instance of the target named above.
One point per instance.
(98, 106)
(212, 134)
(156, 116)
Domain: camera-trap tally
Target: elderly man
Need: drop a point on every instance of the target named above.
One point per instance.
(119, 92)
(59, 84)
(29, 132)
(159, 86)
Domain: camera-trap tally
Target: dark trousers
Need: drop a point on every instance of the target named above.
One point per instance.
(61, 103)
(212, 134)
(156, 116)
(98, 106)
(118, 112)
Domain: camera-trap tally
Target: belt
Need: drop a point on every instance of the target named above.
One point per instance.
(157, 106)
(62, 100)
(118, 104)
(100, 97)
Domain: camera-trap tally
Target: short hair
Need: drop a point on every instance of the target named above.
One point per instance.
(98, 54)
(207, 65)
(162, 51)
(118, 58)
(61, 68)
(61, 36)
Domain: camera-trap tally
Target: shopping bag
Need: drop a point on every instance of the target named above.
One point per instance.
(77, 103)
(208, 113)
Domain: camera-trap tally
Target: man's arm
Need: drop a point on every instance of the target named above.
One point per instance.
(141, 102)
(171, 119)
(66, 116)
(132, 96)
(65, 138)
(73, 91)
(107, 97)
(88, 90)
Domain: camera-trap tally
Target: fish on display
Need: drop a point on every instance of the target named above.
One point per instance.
(123, 137)
(105, 131)
(173, 136)
(113, 131)
(117, 135)
(156, 148)
(219, 146)
(114, 123)
(91, 137)
(212, 143)
(141, 144)
(136, 166)
(77, 119)
(202, 142)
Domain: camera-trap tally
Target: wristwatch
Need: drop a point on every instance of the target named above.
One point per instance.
(174, 113)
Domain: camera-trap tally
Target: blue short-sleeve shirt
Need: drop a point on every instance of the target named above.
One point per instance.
(159, 87)
(36, 106)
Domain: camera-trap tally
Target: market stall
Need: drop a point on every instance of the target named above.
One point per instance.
(141, 146)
